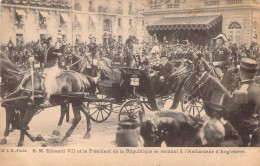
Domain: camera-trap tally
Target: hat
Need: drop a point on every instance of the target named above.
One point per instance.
(249, 65)
(46, 38)
(223, 37)
(214, 107)
(91, 37)
(59, 37)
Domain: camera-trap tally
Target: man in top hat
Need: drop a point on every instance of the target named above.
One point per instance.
(216, 110)
(221, 55)
(51, 68)
(246, 104)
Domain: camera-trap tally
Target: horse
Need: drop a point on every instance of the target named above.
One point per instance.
(20, 84)
(174, 128)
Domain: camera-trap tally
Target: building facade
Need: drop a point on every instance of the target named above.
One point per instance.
(75, 20)
(202, 20)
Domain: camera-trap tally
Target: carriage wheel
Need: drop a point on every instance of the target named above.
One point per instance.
(99, 111)
(193, 106)
(132, 110)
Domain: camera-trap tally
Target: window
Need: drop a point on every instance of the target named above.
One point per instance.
(234, 32)
(78, 38)
(119, 22)
(43, 15)
(120, 5)
(19, 39)
(142, 22)
(107, 25)
(90, 3)
(130, 6)
(130, 22)
(119, 39)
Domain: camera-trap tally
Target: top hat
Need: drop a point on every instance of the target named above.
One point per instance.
(249, 65)
(215, 105)
(46, 38)
(223, 37)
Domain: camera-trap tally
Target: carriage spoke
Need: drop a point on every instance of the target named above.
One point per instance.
(97, 115)
(93, 113)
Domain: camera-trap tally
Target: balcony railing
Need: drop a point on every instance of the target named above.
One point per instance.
(234, 1)
(91, 9)
(19, 26)
(78, 7)
(103, 9)
(174, 5)
(119, 11)
(105, 28)
(211, 3)
(43, 26)
(131, 12)
(156, 7)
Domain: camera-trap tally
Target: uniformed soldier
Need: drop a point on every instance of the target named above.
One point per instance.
(221, 55)
(93, 49)
(246, 103)
(51, 70)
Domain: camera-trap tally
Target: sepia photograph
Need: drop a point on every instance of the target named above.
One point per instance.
(117, 79)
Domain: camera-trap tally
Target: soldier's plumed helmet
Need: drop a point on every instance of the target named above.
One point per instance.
(249, 65)
(46, 38)
(223, 37)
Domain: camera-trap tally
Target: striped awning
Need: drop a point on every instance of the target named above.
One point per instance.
(185, 23)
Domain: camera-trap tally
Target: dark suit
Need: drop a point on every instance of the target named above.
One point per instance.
(157, 84)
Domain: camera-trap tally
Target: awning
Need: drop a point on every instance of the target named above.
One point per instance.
(80, 18)
(44, 14)
(65, 17)
(20, 12)
(185, 23)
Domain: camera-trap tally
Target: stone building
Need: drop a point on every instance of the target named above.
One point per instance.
(75, 20)
(201, 20)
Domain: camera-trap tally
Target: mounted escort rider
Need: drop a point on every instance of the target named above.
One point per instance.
(221, 55)
(51, 69)
(245, 108)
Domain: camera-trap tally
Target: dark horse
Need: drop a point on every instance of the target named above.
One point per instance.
(177, 129)
(19, 85)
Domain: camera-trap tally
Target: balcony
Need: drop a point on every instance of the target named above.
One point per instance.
(106, 28)
(103, 9)
(43, 26)
(78, 7)
(174, 5)
(211, 3)
(131, 12)
(91, 9)
(234, 1)
(19, 25)
(156, 7)
(119, 11)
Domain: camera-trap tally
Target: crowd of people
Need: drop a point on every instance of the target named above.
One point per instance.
(136, 54)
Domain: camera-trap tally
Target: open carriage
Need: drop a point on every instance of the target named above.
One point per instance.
(131, 89)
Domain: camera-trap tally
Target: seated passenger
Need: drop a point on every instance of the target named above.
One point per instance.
(158, 80)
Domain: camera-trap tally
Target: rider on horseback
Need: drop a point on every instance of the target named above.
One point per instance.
(221, 55)
(51, 69)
